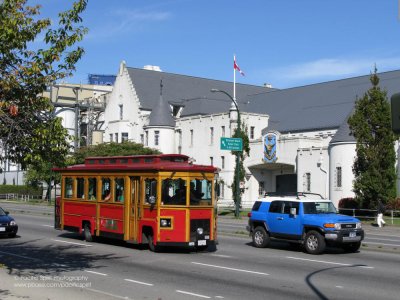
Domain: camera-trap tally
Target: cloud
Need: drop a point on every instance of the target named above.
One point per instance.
(331, 68)
(127, 21)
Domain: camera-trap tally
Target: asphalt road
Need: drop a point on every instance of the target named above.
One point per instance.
(43, 263)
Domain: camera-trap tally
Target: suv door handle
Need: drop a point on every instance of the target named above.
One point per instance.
(279, 218)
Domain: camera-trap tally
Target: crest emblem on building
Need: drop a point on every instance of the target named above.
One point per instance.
(270, 148)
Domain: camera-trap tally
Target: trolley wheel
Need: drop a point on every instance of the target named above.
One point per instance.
(152, 247)
(87, 234)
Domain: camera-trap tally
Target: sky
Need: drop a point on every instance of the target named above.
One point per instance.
(285, 43)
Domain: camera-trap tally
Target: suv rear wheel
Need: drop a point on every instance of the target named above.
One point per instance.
(314, 242)
(260, 237)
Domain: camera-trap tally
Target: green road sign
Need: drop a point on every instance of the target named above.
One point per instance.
(233, 144)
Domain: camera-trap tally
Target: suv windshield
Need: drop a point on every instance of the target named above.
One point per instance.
(319, 208)
(2, 212)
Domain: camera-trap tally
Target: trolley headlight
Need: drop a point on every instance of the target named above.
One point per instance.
(165, 223)
(200, 231)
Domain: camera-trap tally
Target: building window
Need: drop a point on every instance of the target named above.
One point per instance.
(156, 138)
(116, 137)
(111, 137)
(121, 111)
(261, 188)
(124, 136)
(339, 177)
(222, 190)
(307, 182)
(211, 135)
(191, 137)
(211, 160)
(146, 138)
(179, 141)
(142, 138)
(222, 162)
(223, 131)
(252, 132)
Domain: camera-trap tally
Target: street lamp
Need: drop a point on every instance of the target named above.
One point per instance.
(237, 192)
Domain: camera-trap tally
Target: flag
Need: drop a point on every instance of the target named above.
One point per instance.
(236, 67)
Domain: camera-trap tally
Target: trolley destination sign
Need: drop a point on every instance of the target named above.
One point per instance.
(232, 144)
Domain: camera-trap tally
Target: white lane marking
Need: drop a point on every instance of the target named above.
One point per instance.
(231, 269)
(72, 243)
(394, 245)
(330, 262)
(59, 265)
(380, 234)
(52, 226)
(107, 294)
(379, 239)
(219, 297)
(20, 256)
(229, 225)
(192, 294)
(220, 255)
(339, 286)
(97, 273)
(139, 282)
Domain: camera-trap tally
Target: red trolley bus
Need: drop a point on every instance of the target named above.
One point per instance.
(159, 200)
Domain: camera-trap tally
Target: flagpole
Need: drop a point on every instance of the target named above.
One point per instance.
(234, 78)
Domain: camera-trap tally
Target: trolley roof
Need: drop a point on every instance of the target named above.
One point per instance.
(160, 162)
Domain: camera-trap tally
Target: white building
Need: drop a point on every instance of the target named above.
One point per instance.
(299, 137)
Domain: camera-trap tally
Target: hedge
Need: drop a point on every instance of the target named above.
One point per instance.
(20, 189)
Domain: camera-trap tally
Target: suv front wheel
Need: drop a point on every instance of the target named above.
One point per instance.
(260, 237)
(314, 242)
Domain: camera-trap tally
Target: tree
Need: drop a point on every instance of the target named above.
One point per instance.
(42, 171)
(374, 166)
(30, 134)
(243, 154)
(111, 149)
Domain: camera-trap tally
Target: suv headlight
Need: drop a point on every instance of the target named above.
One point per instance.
(358, 225)
(332, 225)
(13, 223)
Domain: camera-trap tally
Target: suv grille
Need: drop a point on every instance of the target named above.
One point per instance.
(348, 226)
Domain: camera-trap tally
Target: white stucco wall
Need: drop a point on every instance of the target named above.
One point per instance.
(341, 155)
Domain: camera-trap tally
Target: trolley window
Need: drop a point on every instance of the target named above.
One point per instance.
(150, 190)
(80, 188)
(119, 189)
(92, 188)
(200, 192)
(106, 189)
(173, 192)
(68, 187)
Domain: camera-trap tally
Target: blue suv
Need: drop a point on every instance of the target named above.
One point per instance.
(301, 218)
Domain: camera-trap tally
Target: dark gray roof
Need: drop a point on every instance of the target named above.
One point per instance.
(318, 106)
(161, 114)
(343, 134)
(192, 92)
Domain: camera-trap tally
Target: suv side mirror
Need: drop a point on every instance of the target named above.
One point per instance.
(293, 211)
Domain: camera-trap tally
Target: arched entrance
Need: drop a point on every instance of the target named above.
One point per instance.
(274, 177)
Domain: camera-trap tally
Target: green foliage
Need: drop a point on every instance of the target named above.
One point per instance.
(374, 166)
(29, 131)
(20, 189)
(110, 149)
(242, 133)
